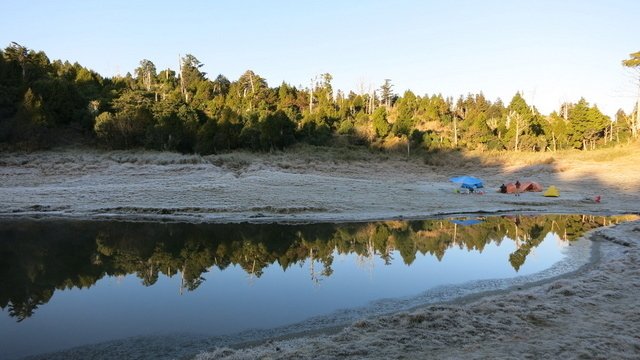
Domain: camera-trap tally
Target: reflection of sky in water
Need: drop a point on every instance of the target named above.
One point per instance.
(545, 254)
(231, 300)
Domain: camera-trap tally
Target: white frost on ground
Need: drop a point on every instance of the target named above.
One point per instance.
(152, 185)
(592, 314)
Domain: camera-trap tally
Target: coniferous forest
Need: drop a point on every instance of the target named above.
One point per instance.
(46, 103)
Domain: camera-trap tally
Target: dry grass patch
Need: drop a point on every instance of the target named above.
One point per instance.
(509, 158)
(305, 155)
(606, 155)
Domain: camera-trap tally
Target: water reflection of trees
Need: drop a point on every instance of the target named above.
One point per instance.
(40, 257)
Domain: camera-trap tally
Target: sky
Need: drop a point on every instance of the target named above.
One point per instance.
(550, 51)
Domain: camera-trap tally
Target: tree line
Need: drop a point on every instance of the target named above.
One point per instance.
(42, 257)
(43, 103)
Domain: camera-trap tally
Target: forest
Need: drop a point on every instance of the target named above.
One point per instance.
(46, 103)
(43, 257)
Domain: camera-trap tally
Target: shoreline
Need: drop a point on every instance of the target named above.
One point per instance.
(512, 284)
(329, 342)
(451, 295)
(606, 245)
(285, 220)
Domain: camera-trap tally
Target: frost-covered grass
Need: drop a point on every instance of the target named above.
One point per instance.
(326, 183)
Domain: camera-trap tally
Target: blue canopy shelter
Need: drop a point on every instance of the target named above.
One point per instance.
(468, 182)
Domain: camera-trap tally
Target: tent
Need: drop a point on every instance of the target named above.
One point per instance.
(468, 182)
(552, 191)
(525, 186)
(530, 186)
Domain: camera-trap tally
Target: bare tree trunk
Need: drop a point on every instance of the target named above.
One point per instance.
(253, 91)
(636, 126)
(611, 132)
(182, 279)
(517, 131)
(455, 131)
(182, 89)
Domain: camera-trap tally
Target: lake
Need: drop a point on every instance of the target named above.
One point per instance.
(68, 283)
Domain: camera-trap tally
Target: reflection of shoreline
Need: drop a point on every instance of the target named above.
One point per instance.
(96, 250)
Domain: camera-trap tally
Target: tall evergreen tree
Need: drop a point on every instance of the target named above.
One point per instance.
(386, 93)
(586, 125)
(146, 74)
(190, 76)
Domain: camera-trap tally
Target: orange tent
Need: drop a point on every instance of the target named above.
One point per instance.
(530, 186)
(524, 186)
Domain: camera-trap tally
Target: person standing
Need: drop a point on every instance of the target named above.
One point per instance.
(517, 187)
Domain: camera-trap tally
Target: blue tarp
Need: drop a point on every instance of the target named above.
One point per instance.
(468, 182)
(466, 222)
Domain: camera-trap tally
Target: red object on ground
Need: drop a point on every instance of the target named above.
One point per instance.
(597, 199)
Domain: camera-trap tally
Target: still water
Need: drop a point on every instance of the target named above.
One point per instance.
(71, 283)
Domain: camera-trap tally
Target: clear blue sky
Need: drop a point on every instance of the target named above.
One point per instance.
(551, 51)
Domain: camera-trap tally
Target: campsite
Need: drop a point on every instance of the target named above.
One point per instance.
(304, 186)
